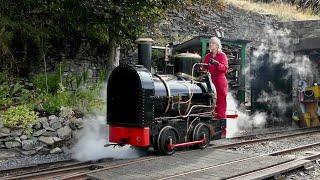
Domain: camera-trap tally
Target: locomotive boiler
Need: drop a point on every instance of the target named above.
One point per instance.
(162, 111)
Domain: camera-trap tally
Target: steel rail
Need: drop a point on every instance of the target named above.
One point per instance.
(41, 167)
(262, 140)
(274, 132)
(47, 171)
(285, 151)
(310, 158)
(84, 169)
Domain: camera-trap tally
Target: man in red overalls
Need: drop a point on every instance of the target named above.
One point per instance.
(217, 66)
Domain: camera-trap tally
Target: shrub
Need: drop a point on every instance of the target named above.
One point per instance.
(20, 117)
(3, 77)
(89, 99)
(53, 103)
(53, 82)
(5, 100)
(15, 94)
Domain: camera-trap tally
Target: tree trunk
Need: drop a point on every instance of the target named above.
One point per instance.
(113, 57)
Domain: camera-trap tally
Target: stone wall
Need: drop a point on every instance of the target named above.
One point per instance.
(50, 135)
(306, 34)
(76, 59)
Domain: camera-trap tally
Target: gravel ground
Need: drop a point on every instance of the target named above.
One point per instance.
(304, 174)
(281, 144)
(257, 134)
(24, 161)
(276, 145)
(313, 173)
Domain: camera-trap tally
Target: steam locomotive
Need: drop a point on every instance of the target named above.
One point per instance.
(164, 111)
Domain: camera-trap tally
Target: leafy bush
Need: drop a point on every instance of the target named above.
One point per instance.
(84, 99)
(3, 77)
(15, 93)
(53, 103)
(5, 100)
(88, 99)
(20, 117)
(53, 82)
(103, 74)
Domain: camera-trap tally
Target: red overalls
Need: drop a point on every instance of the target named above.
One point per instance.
(218, 76)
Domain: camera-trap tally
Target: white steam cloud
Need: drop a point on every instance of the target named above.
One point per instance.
(93, 137)
(278, 45)
(244, 122)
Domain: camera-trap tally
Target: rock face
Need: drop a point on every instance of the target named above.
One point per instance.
(55, 150)
(39, 132)
(76, 124)
(17, 132)
(23, 137)
(231, 23)
(55, 124)
(37, 125)
(28, 145)
(44, 122)
(12, 144)
(5, 130)
(46, 140)
(50, 133)
(64, 133)
(4, 135)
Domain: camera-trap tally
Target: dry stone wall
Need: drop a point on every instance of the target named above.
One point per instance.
(50, 135)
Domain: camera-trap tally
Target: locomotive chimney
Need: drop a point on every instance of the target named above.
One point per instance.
(145, 52)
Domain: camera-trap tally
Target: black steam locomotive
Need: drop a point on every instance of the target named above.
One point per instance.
(163, 111)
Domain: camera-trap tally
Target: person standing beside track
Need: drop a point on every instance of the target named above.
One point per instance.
(217, 66)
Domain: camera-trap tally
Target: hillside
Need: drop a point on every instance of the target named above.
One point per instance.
(284, 11)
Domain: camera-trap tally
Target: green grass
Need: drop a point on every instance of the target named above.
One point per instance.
(285, 12)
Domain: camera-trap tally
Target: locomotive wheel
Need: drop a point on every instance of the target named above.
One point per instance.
(167, 134)
(200, 131)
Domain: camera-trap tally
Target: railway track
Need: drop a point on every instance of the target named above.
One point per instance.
(80, 170)
(44, 166)
(255, 135)
(45, 170)
(75, 172)
(223, 146)
(241, 176)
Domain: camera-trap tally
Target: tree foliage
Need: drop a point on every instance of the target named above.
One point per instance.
(36, 26)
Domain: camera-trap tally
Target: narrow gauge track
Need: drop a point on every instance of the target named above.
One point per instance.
(254, 135)
(42, 166)
(28, 172)
(79, 171)
(282, 152)
(64, 172)
(223, 146)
